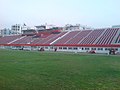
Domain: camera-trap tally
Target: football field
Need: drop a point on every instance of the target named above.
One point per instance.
(32, 70)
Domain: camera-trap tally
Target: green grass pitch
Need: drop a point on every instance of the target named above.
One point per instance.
(24, 70)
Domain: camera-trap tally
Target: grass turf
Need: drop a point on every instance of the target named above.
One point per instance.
(24, 70)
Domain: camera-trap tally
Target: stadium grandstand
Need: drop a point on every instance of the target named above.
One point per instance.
(93, 41)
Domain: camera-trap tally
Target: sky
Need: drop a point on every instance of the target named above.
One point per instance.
(93, 13)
